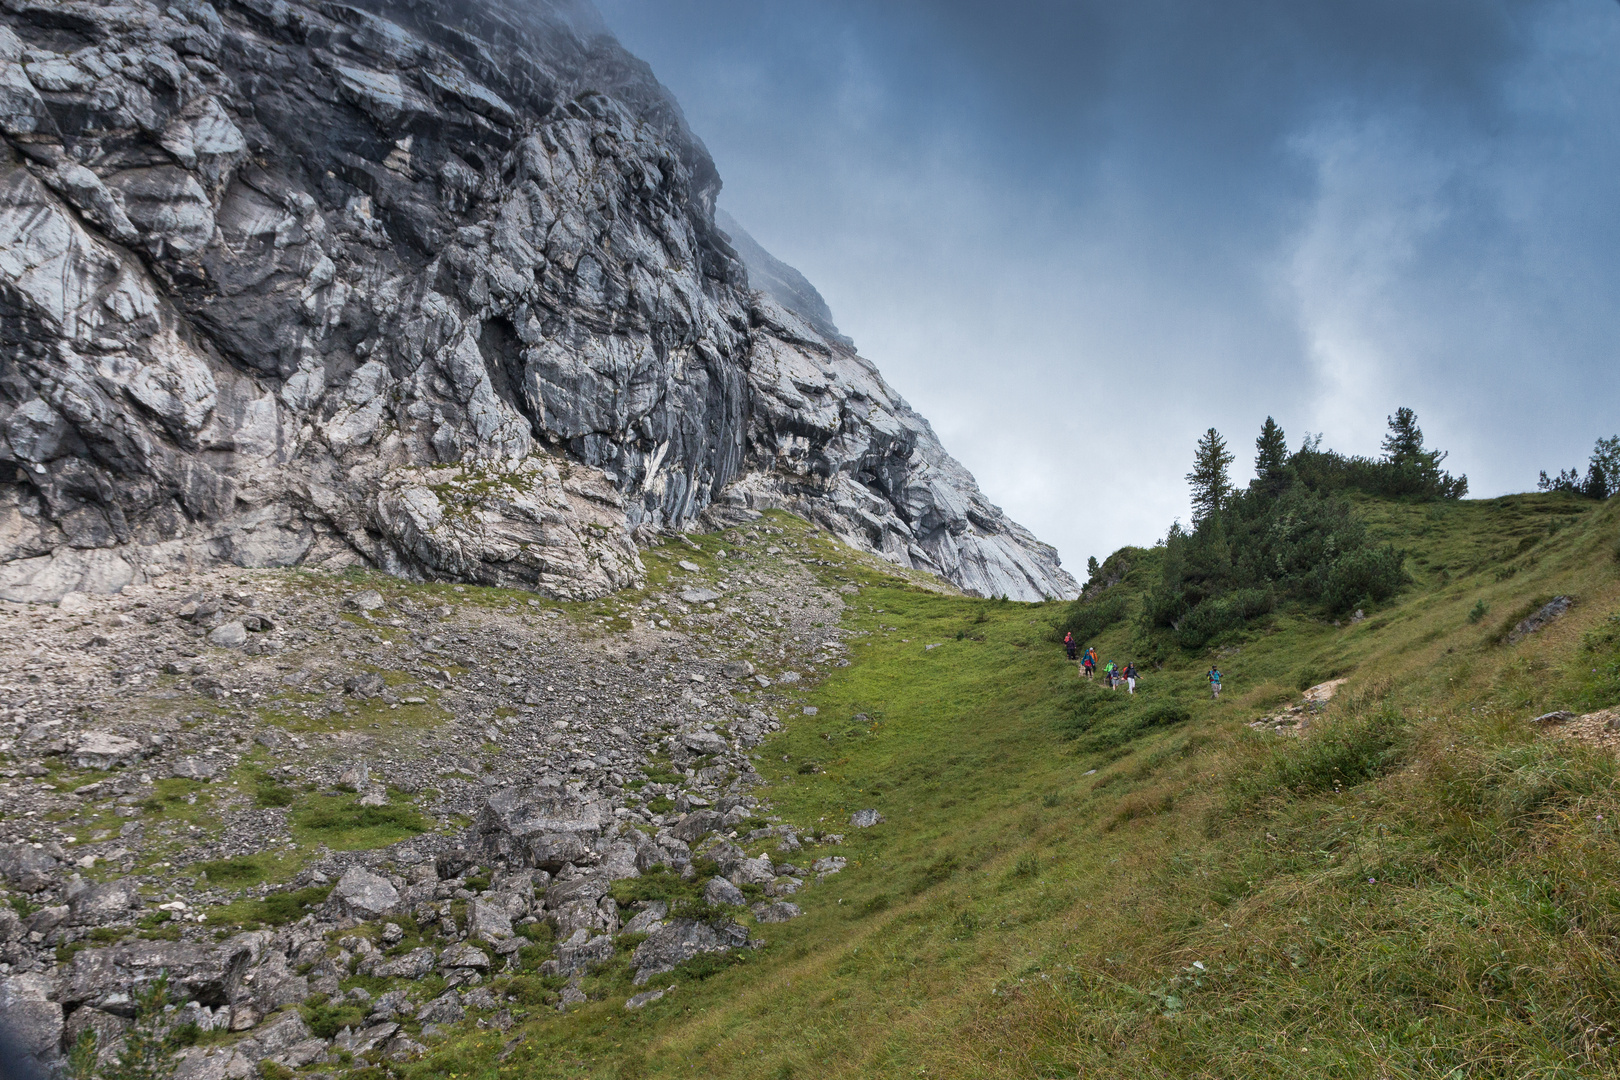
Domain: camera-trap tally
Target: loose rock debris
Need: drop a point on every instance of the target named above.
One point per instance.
(429, 776)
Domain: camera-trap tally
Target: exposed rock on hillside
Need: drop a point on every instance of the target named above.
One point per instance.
(290, 282)
(522, 757)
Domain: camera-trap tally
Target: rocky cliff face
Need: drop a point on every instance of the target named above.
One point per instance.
(432, 285)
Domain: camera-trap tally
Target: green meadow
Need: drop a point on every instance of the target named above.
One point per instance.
(1076, 882)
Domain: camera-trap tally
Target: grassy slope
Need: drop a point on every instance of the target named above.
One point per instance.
(1422, 886)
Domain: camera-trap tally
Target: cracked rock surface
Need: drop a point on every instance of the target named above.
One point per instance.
(434, 288)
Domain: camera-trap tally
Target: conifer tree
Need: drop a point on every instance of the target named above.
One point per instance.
(1210, 483)
(1271, 457)
(1403, 446)
(1412, 469)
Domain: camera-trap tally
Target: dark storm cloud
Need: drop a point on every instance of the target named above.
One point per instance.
(1076, 234)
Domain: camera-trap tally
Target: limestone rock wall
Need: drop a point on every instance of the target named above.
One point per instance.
(434, 286)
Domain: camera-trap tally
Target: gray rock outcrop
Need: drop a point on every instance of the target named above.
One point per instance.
(433, 287)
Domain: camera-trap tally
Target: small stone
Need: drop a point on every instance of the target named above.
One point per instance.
(781, 911)
(698, 596)
(810, 710)
(104, 750)
(366, 684)
(228, 635)
(865, 819)
(689, 566)
(646, 998)
(1562, 716)
(196, 767)
(368, 600)
(464, 956)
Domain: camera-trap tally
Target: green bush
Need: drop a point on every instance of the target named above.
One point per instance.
(1360, 578)
(342, 823)
(284, 907)
(1218, 615)
(706, 965)
(1086, 619)
(326, 1019)
(241, 870)
(270, 794)
(1165, 714)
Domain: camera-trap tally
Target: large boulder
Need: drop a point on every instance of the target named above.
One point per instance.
(542, 826)
(28, 866)
(695, 825)
(488, 921)
(30, 1018)
(413, 965)
(91, 905)
(209, 974)
(214, 1063)
(722, 893)
(581, 904)
(679, 941)
(582, 953)
(104, 750)
(281, 1034)
(364, 894)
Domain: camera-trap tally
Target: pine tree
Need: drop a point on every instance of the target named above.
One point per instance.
(1606, 459)
(149, 1053)
(1597, 482)
(1403, 446)
(1092, 567)
(1211, 485)
(1413, 470)
(1271, 457)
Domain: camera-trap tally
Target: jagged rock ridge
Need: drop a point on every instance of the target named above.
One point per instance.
(433, 285)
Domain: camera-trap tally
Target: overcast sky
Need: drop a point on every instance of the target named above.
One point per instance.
(1076, 233)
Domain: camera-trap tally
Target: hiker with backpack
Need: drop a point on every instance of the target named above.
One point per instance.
(1130, 676)
(1089, 663)
(1112, 672)
(1214, 678)
(1069, 647)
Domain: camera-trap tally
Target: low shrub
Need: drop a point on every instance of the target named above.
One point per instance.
(1361, 578)
(1220, 614)
(241, 870)
(1339, 753)
(326, 1018)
